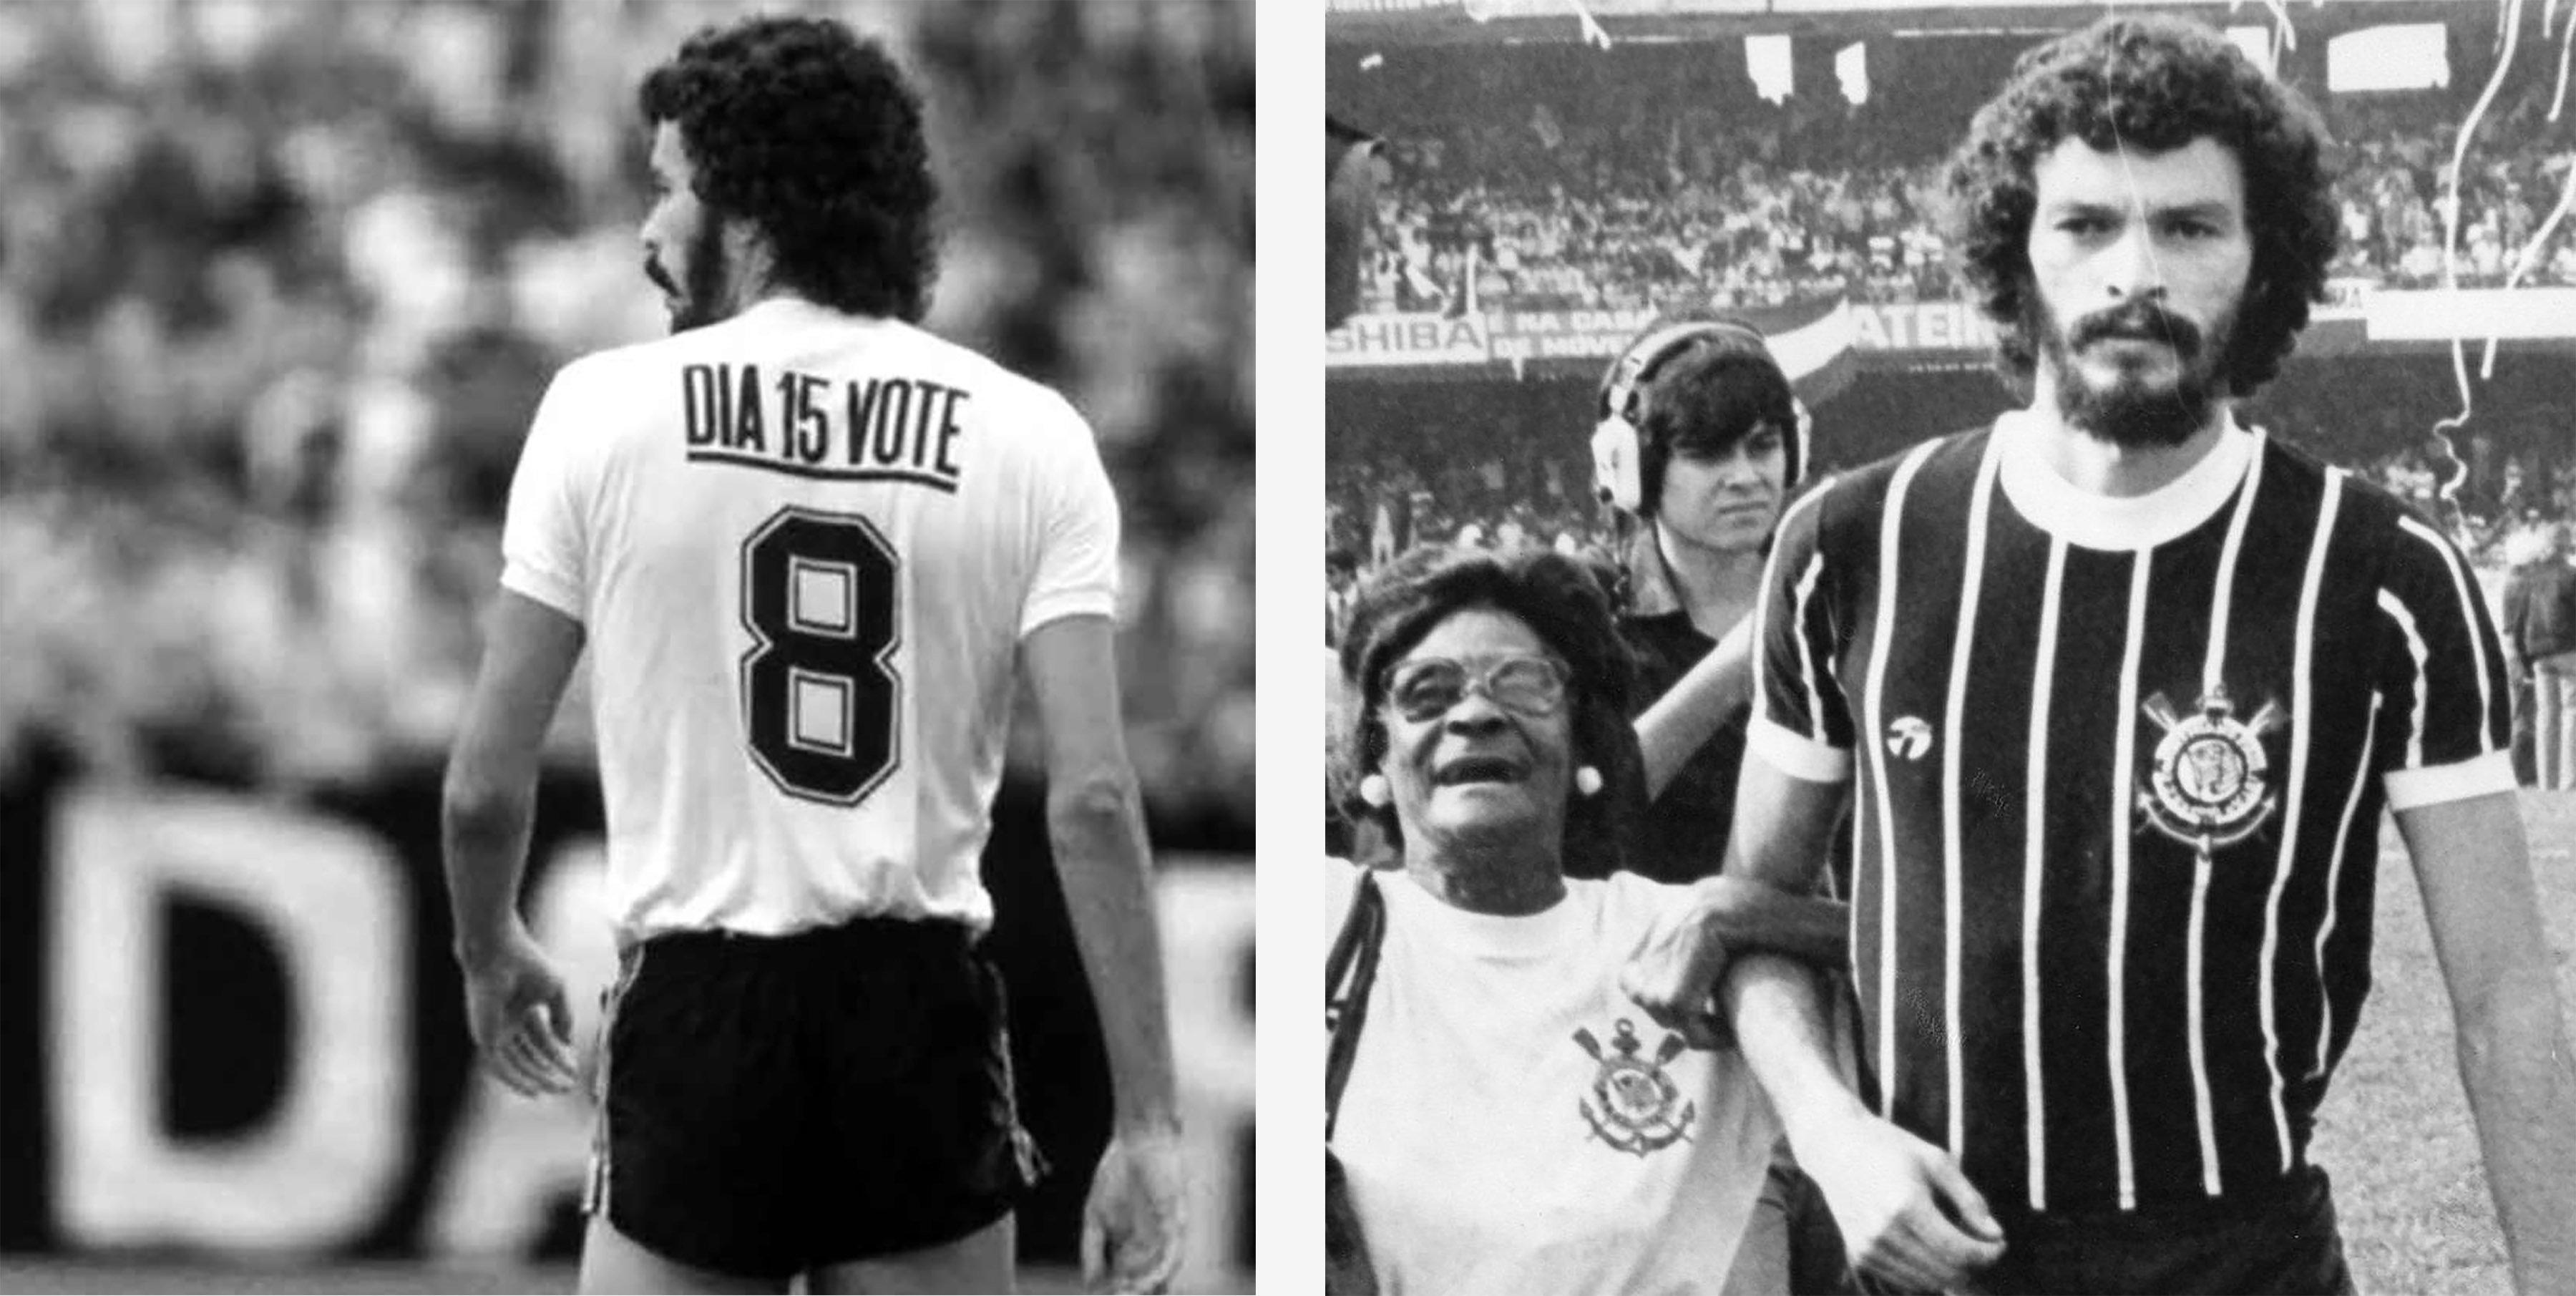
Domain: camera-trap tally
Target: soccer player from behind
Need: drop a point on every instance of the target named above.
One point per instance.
(809, 544)
(2118, 689)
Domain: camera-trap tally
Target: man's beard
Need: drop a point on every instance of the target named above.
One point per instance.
(2130, 413)
(694, 303)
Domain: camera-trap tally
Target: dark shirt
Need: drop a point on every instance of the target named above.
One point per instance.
(1683, 835)
(2540, 610)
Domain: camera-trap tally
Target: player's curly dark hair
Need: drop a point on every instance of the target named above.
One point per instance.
(1563, 602)
(813, 135)
(2151, 83)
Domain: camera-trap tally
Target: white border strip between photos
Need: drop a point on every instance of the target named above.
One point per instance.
(1288, 1235)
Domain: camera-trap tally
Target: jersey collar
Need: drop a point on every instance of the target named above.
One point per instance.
(786, 306)
(2080, 517)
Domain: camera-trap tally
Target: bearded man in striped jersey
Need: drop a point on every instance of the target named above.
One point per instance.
(2118, 688)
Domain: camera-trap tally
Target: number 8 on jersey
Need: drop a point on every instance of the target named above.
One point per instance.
(819, 686)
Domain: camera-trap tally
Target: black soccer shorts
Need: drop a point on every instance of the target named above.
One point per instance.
(2278, 1240)
(772, 1104)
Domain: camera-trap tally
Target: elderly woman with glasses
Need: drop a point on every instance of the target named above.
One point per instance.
(1504, 1118)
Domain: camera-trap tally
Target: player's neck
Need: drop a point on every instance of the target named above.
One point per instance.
(2098, 467)
(762, 292)
(1716, 586)
(753, 269)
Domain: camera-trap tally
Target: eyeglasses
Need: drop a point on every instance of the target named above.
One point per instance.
(1424, 688)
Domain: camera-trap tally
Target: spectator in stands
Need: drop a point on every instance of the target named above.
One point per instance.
(1351, 174)
(1660, 216)
(1341, 571)
(2539, 631)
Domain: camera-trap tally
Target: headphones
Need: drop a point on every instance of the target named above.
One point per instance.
(1618, 450)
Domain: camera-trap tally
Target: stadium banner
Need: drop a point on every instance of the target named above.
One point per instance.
(2439, 315)
(1929, 330)
(2345, 298)
(1815, 332)
(1386, 6)
(1409, 339)
(1818, 339)
(230, 1028)
(1823, 341)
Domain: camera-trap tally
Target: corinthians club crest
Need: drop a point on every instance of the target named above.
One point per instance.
(1631, 1103)
(2207, 788)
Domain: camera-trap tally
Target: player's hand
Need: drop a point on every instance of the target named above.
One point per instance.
(1132, 1226)
(521, 1018)
(1907, 1214)
(1673, 976)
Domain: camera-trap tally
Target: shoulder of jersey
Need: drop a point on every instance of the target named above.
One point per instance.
(2368, 507)
(2361, 491)
(994, 378)
(1876, 474)
(619, 369)
(1868, 484)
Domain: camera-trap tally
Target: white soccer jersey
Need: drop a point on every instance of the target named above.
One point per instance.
(805, 547)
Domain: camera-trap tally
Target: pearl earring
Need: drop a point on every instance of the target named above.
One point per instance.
(1374, 790)
(1587, 781)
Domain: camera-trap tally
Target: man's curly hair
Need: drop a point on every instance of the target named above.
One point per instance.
(2152, 84)
(814, 136)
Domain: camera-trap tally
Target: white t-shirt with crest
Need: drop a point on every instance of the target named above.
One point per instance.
(1514, 1123)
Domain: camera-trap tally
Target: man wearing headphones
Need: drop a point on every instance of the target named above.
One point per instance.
(1699, 446)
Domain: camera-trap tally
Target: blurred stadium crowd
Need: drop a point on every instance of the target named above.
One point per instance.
(281, 283)
(1639, 178)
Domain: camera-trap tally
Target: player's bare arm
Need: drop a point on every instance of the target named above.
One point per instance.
(2474, 866)
(1095, 820)
(1788, 823)
(1783, 828)
(514, 996)
(1906, 1212)
(1691, 711)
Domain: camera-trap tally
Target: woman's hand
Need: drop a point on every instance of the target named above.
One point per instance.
(1673, 975)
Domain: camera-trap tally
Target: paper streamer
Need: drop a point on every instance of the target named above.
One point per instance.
(2285, 36)
(1594, 34)
(2511, 13)
(2560, 99)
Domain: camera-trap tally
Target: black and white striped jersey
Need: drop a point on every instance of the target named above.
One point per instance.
(2119, 771)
